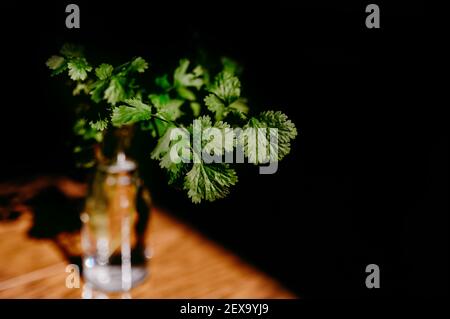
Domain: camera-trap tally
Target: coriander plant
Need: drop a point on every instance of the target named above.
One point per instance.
(173, 100)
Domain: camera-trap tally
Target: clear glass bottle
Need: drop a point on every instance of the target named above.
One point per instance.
(115, 221)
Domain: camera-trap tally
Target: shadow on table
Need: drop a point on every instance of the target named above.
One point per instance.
(55, 205)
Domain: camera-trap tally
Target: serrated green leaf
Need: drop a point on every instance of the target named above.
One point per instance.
(55, 62)
(176, 171)
(137, 103)
(82, 87)
(228, 136)
(98, 90)
(167, 108)
(262, 146)
(215, 105)
(162, 147)
(59, 70)
(115, 91)
(78, 69)
(218, 139)
(198, 71)
(227, 87)
(240, 105)
(159, 100)
(99, 125)
(138, 65)
(164, 143)
(184, 79)
(203, 121)
(104, 71)
(124, 115)
(83, 129)
(171, 110)
(209, 181)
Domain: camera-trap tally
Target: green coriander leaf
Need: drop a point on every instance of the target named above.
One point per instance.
(162, 147)
(138, 65)
(124, 115)
(228, 136)
(171, 110)
(240, 105)
(137, 103)
(159, 100)
(78, 69)
(218, 107)
(183, 79)
(82, 87)
(83, 129)
(205, 122)
(98, 90)
(227, 87)
(215, 105)
(115, 91)
(216, 139)
(167, 108)
(209, 181)
(99, 125)
(55, 62)
(198, 71)
(104, 71)
(260, 148)
(162, 153)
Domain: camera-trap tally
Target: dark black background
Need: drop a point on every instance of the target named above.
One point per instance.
(367, 181)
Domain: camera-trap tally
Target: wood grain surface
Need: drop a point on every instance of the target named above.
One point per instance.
(184, 263)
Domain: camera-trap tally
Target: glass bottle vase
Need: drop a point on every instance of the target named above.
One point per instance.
(115, 221)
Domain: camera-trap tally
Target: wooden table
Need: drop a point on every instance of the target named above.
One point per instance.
(185, 264)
